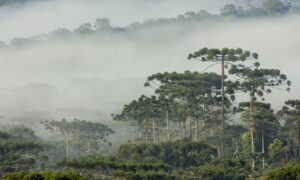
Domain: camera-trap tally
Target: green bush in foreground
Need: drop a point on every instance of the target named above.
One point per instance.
(143, 175)
(290, 172)
(44, 175)
(225, 169)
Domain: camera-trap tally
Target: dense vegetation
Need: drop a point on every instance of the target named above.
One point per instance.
(205, 125)
(183, 129)
(44, 175)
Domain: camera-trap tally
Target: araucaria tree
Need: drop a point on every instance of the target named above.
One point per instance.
(142, 112)
(198, 93)
(222, 56)
(290, 113)
(256, 82)
(82, 132)
(266, 128)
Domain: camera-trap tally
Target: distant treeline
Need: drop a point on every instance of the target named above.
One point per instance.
(267, 8)
(13, 2)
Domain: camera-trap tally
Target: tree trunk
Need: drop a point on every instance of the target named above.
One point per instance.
(89, 147)
(67, 147)
(179, 127)
(168, 128)
(223, 110)
(157, 132)
(153, 131)
(146, 136)
(140, 134)
(263, 146)
(184, 129)
(298, 139)
(252, 132)
(189, 118)
(197, 131)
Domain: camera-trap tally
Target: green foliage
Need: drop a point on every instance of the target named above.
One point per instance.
(277, 151)
(81, 133)
(266, 124)
(23, 133)
(231, 55)
(189, 86)
(226, 169)
(229, 10)
(66, 127)
(232, 139)
(19, 156)
(144, 175)
(290, 113)
(258, 81)
(142, 110)
(290, 172)
(5, 135)
(275, 6)
(174, 154)
(44, 175)
(109, 164)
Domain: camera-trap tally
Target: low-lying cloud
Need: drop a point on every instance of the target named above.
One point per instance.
(96, 74)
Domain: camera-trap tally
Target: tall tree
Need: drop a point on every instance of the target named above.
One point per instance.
(290, 113)
(142, 112)
(256, 82)
(223, 56)
(197, 91)
(265, 127)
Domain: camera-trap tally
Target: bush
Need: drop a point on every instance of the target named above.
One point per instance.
(175, 154)
(290, 172)
(143, 175)
(225, 169)
(44, 175)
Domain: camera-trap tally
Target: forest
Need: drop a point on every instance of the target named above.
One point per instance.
(234, 116)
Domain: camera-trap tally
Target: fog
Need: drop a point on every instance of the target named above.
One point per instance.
(43, 16)
(91, 76)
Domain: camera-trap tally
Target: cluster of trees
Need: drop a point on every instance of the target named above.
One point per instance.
(199, 107)
(102, 26)
(20, 150)
(268, 8)
(144, 161)
(194, 125)
(13, 2)
(44, 175)
(81, 136)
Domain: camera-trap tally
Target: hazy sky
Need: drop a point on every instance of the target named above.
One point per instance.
(119, 57)
(33, 19)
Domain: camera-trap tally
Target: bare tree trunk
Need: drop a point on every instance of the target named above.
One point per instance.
(190, 128)
(153, 131)
(67, 147)
(146, 136)
(157, 132)
(223, 110)
(140, 134)
(252, 131)
(263, 146)
(89, 147)
(168, 128)
(197, 131)
(179, 127)
(184, 128)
